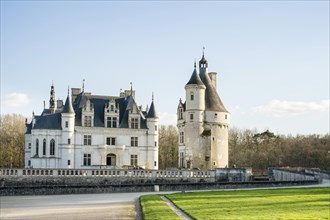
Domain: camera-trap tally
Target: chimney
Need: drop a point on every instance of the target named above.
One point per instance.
(213, 77)
(59, 104)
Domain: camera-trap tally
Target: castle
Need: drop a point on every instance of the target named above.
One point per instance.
(202, 122)
(93, 131)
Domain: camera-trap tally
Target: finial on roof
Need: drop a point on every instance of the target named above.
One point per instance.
(152, 96)
(44, 104)
(69, 90)
(83, 85)
(203, 50)
(195, 64)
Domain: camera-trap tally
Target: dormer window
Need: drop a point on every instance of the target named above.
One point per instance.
(134, 123)
(111, 122)
(111, 108)
(88, 121)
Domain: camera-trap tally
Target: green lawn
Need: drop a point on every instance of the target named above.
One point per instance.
(303, 203)
(153, 207)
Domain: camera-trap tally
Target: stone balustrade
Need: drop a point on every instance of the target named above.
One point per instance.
(110, 173)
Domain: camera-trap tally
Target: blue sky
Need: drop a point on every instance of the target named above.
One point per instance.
(272, 58)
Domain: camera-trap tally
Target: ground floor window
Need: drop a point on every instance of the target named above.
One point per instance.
(111, 160)
(134, 160)
(87, 159)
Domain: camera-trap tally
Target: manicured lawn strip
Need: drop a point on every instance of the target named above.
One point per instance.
(153, 207)
(303, 203)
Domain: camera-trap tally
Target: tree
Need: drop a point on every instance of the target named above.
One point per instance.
(168, 147)
(12, 130)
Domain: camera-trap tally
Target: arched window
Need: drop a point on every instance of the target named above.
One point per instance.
(111, 160)
(52, 147)
(44, 147)
(37, 147)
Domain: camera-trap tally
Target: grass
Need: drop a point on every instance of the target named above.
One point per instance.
(153, 207)
(303, 203)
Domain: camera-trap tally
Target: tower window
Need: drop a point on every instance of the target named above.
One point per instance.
(191, 96)
(225, 116)
(191, 116)
(66, 124)
(181, 137)
(180, 113)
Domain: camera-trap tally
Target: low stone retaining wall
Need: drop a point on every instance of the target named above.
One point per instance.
(147, 187)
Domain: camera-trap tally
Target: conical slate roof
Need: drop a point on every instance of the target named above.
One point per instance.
(195, 79)
(212, 99)
(152, 111)
(68, 106)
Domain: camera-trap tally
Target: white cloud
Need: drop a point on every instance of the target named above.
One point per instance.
(166, 118)
(279, 108)
(16, 100)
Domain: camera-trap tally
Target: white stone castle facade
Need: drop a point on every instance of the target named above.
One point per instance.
(202, 123)
(92, 131)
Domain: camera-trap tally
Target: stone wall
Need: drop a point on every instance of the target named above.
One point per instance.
(276, 174)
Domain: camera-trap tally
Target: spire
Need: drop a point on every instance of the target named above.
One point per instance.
(52, 98)
(152, 110)
(68, 104)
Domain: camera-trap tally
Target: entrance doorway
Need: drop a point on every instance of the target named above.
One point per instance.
(111, 160)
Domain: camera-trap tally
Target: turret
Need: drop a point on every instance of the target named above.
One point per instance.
(195, 97)
(68, 123)
(152, 123)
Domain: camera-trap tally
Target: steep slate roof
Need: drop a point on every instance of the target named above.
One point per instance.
(152, 111)
(195, 79)
(212, 99)
(51, 121)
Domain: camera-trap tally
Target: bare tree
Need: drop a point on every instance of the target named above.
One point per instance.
(12, 129)
(168, 147)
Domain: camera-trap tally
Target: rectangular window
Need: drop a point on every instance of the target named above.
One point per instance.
(29, 146)
(181, 159)
(29, 163)
(155, 163)
(69, 162)
(111, 141)
(180, 113)
(111, 122)
(134, 123)
(134, 160)
(88, 121)
(87, 139)
(66, 124)
(155, 143)
(155, 127)
(191, 116)
(181, 137)
(69, 141)
(191, 96)
(134, 141)
(87, 159)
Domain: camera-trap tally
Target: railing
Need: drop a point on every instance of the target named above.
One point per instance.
(109, 173)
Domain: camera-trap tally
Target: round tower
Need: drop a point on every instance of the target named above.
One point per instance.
(152, 135)
(67, 123)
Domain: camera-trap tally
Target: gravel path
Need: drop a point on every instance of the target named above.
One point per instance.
(82, 206)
